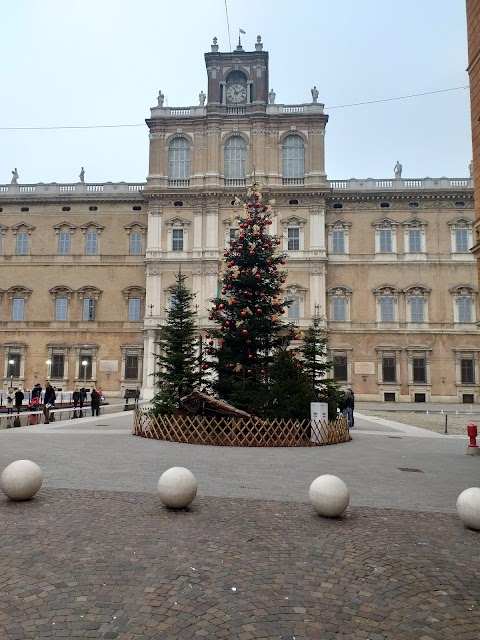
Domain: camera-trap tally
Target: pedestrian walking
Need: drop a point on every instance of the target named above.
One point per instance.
(348, 404)
(76, 397)
(18, 399)
(49, 401)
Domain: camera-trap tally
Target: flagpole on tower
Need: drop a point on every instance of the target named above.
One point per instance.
(240, 31)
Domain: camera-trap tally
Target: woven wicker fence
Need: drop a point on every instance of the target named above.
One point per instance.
(240, 432)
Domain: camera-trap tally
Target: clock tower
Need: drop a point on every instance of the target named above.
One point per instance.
(237, 81)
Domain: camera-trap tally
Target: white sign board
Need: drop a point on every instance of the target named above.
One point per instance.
(319, 418)
(108, 366)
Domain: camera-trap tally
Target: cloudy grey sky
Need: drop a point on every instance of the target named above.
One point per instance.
(102, 62)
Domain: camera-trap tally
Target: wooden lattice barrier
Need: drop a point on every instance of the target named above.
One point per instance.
(239, 432)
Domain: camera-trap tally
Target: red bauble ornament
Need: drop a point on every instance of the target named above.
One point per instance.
(276, 303)
(262, 370)
(257, 205)
(265, 207)
(242, 237)
(269, 221)
(210, 342)
(279, 288)
(250, 204)
(266, 246)
(222, 328)
(277, 241)
(229, 286)
(262, 295)
(298, 366)
(225, 254)
(256, 234)
(246, 293)
(294, 353)
(240, 247)
(282, 261)
(282, 280)
(248, 342)
(296, 337)
(223, 292)
(249, 371)
(204, 366)
(244, 331)
(233, 301)
(227, 323)
(234, 242)
(257, 276)
(252, 253)
(263, 223)
(292, 330)
(220, 306)
(250, 220)
(207, 335)
(210, 317)
(243, 313)
(250, 357)
(243, 272)
(230, 366)
(268, 262)
(282, 310)
(259, 311)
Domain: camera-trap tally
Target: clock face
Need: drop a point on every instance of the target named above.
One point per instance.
(236, 93)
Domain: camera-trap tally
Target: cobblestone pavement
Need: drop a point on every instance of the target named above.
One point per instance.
(118, 565)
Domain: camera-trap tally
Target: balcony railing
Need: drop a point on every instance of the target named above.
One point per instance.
(396, 184)
(293, 182)
(235, 182)
(179, 183)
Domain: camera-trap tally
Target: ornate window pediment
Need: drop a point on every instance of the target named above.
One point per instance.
(89, 292)
(133, 292)
(387, 290)
(293, 221)
(22, 227)
(294, 289)
(460, 223)
(339, 224)
(385, 223)
(177, 222)
(415, 223)
(417, 290)
(135, 225)
(92, 225)
(65, 225)
(340, 291)
(61, 291)
(463, 291)
(18, 291)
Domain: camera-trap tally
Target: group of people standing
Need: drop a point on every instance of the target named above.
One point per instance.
(15, 398)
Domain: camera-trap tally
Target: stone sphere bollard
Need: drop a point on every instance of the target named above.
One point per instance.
(468, 507)
(177, 487)
(21, 480)
(329, 495)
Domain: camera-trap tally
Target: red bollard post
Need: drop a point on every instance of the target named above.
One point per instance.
(472, 433)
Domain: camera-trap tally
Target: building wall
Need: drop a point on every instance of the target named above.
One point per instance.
(473, 34)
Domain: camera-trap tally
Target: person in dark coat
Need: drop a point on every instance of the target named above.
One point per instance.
(95, 402)
(18, 399)
(37, 391)
(49, 401)
(76, 397)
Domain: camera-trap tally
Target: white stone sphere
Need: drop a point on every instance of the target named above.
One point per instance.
(177, 487)
(329, 495)
(21, 480)
(468, 507)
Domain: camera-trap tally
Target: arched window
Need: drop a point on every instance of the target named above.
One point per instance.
(179, 159)
(235, 158)
(293, 157)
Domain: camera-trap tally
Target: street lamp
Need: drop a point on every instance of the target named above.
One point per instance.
(84, 365)
(11, 363)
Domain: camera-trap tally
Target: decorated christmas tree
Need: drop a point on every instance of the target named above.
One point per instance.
(250, 312)
(179, 369)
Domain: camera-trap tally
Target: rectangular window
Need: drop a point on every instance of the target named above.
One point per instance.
(294, 308)
(61, 306)
(387, 309)
(461, 240)
(419, 366)
(339, 309)
(91, 244)
(417, 309)
(389, 369)
(135, 244)
(232, 235)
(134, 305)
(385, 238)
(58, 365)
(18, 309)
(293, 238)
(131, 367)
(340, 369)
(22, 244)
(14, 365)
(64, 243)
(467, 371)
(88, 309)
(464, 309)
(414, 240)
(177, 239)
(338, 241)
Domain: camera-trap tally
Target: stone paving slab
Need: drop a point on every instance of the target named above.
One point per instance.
(95, 564)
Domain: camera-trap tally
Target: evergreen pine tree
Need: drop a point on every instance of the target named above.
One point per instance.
(179, 365)
(316, 366)
(250, 310)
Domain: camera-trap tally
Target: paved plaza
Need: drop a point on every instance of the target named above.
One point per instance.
(95, 555)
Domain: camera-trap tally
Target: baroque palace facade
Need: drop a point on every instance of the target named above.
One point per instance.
(87, 268)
